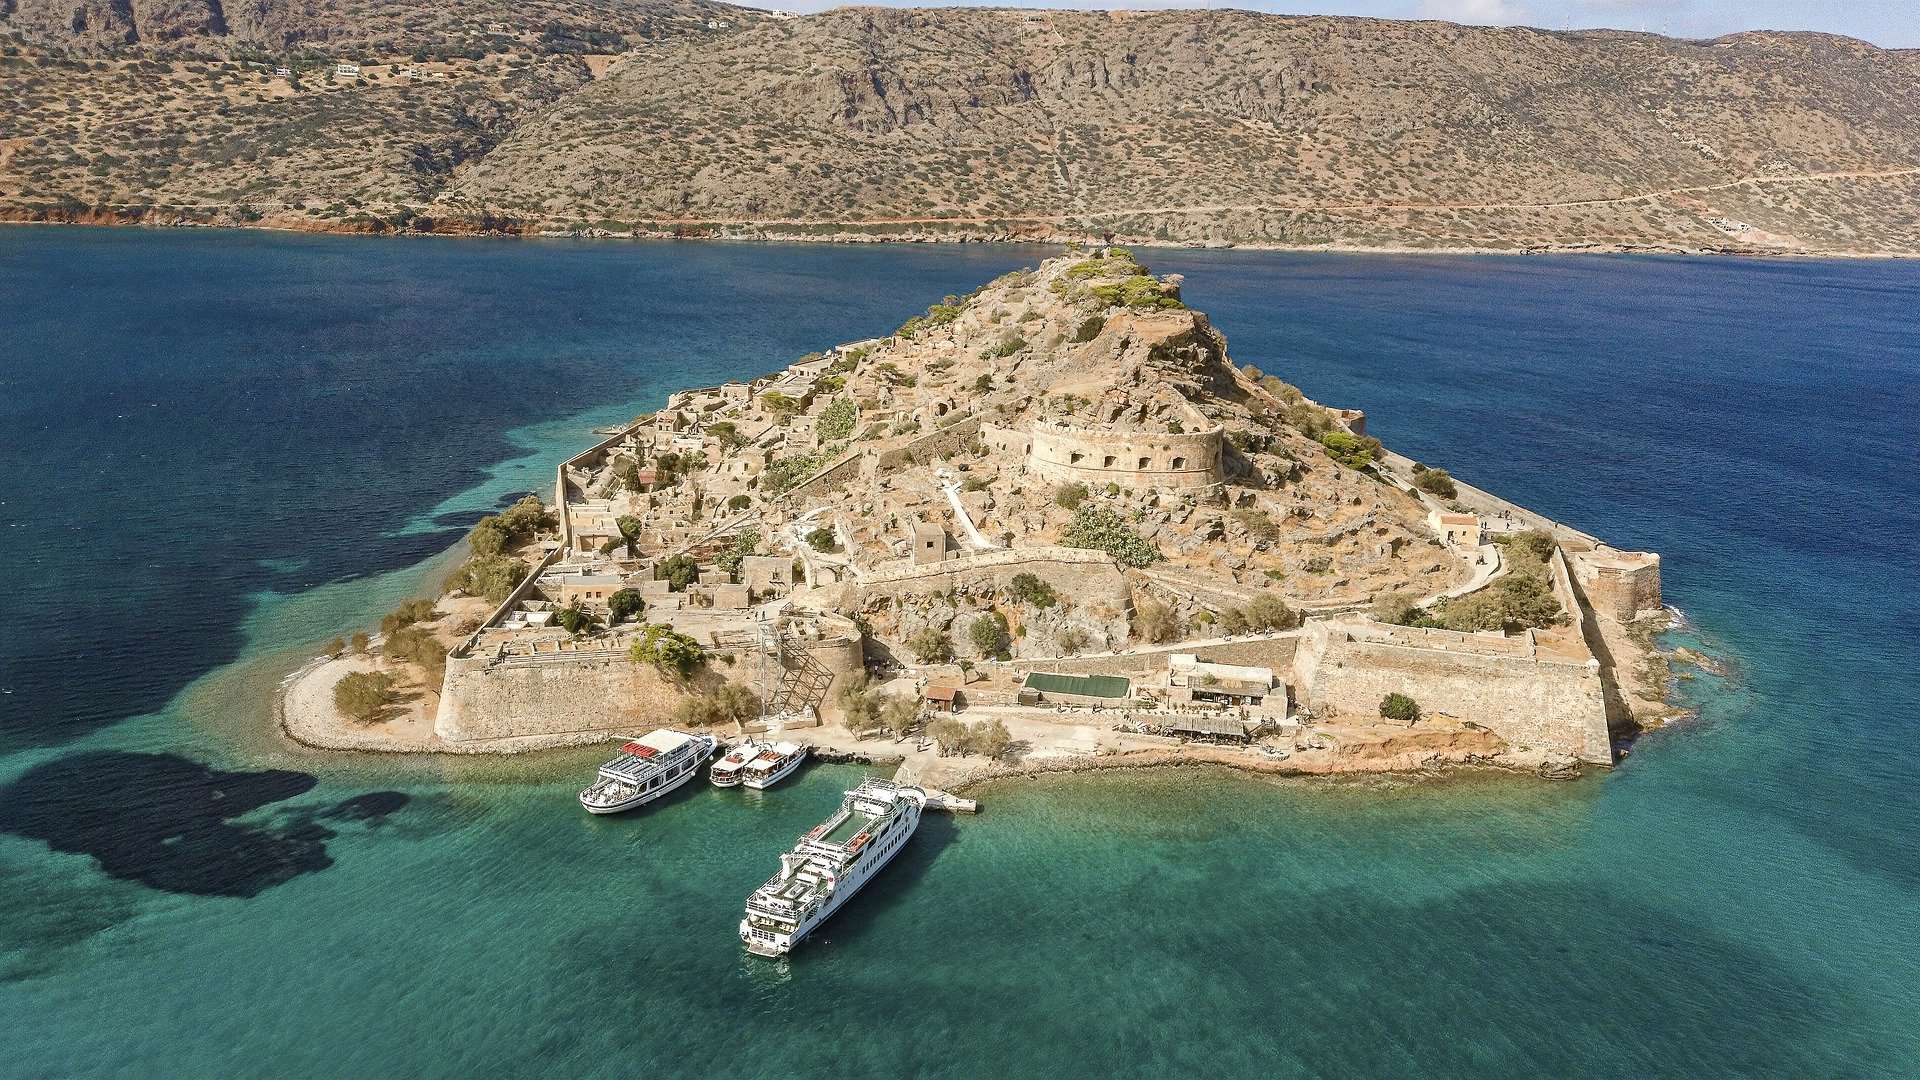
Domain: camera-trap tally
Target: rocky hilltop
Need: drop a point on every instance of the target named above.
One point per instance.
(1054, 506)
(692, 119)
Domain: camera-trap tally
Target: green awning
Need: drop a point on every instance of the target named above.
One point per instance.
(1097, 686)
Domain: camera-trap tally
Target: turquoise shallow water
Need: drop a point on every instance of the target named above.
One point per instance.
(1738, 899)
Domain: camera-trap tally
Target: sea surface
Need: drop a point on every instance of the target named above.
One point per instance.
(218, 450)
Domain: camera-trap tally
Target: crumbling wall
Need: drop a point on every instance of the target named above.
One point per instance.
(1089, 577)
(948, 440)
(844, 471)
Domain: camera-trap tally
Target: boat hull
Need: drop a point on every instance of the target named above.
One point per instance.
(759, 784)
(779, 947)
(641, 799)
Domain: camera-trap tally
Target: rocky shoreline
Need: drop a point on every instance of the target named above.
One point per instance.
(197, 218)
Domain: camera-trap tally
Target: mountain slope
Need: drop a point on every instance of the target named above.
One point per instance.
(350, 27)
(1188, 126)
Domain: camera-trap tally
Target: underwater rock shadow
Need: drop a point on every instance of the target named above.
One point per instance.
(167, 822)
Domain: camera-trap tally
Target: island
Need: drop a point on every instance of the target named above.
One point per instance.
(1047, 525)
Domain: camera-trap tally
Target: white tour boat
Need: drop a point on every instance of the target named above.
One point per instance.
(729, 768)
(829, 865)
(647, 768)
(773, 764)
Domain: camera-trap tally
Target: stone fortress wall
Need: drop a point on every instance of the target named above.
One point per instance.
(1531, 699)
(482, 700)
(1623, 585)
(501, 698)
(1136, 459)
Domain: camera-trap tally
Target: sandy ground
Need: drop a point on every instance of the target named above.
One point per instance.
(308, 716)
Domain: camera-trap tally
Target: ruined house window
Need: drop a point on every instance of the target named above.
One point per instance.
(1108, 463)
(1179, 463)
(1143, 462)
(1074, 459)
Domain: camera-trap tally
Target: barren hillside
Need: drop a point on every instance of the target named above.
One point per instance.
(1185, 126)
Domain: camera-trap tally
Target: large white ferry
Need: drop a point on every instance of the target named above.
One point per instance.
(647, 768)
(773, 764)
(829, 865)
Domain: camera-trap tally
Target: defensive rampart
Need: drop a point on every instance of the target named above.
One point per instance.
(1530, 697)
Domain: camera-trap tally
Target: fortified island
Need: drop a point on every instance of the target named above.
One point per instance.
(1046, 525)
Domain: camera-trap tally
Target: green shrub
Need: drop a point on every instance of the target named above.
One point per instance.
(625, 604)
(1100, 529)
(576, 619)
(930, 646)
(988, 633)
(1520, 600)
(823, 539)
(836, 420)
(779, 405)
(740, 502)
(1400, 707)
(678, 572)
(1436, 482)
(1155, 622)
(1308, 419)
(1006, 348)
(728, 703)
(408, 613)
(1396, 608)
(488, 538)
(1353, 451)
(1268, 612)
(1532, 546)
(490, 576)
(417, 645)
(1139, 292)
(783, 474)
(1028, 588)
(673, 654)
(1257, 522)
(745, 543)
(362, 696)
(1070, 496)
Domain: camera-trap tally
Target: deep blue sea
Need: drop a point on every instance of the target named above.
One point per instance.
(219, 449)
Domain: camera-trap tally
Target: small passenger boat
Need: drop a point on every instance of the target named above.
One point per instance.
(773, 764)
